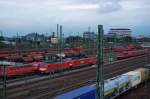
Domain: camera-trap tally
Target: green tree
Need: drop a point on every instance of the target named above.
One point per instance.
(1, 38)
(127, 39)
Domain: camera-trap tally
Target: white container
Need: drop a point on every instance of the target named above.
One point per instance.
(135, 78)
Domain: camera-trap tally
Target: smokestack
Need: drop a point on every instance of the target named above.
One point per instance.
(58, 37)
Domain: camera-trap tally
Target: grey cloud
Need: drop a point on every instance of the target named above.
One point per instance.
(108, 6)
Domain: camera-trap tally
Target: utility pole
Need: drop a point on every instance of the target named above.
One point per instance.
(60, 43)
(4, 83)
(78, 39)
(63, 41)
(89, 40)
(99, 78)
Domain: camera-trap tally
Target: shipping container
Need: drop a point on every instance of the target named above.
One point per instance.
(144, 73)
(86, 92)
(135, 78)
(89, 92)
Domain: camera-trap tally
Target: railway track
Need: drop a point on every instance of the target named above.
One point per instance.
(21, 78)
(48, 87)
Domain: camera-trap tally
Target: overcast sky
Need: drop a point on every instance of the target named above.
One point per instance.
(24, 16)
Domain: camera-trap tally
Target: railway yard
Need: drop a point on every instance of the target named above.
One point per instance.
(74, 49)
(53, 83)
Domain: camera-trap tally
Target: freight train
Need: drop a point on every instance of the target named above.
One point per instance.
(112, 87)
(128, 54)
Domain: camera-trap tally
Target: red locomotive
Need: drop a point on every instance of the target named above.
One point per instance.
(127, 54)
(11, 68)
(65, 64)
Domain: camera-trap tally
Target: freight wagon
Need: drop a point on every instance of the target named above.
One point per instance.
(112, 87)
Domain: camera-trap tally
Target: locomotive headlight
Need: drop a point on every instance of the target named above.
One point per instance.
(42, 69)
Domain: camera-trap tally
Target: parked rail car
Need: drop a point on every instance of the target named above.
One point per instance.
(128, 54)
(113, 87)
(128, 48)
(11, 70)
(121, 49)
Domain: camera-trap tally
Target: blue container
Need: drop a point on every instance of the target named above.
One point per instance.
(87, 92)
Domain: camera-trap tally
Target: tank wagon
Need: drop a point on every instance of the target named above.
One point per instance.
(112, 87)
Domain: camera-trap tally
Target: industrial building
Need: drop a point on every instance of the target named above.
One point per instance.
(119, 32)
